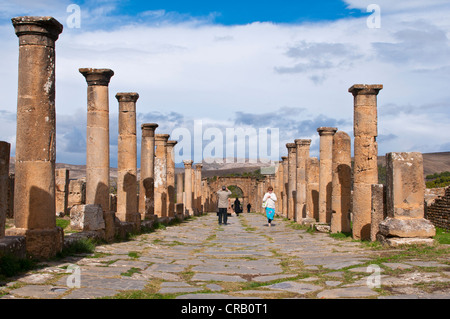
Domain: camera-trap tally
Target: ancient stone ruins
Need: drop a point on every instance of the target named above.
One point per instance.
(328, 193)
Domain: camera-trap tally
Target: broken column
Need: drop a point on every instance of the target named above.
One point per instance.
(62, 191)
(161, 195)
(312, 189)
(378, 213)
(405, 190)
(365, 172)
(188, 186)
(171, 178)
(341, 194)
(127, 203)
(285, 185)
(34, 199)
(292, 180)
(303, 146)
(325, 172)
(97, 136)
(146, 182)
(5, 149)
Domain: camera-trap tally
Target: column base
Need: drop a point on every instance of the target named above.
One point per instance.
(398, 241)
(40, 243)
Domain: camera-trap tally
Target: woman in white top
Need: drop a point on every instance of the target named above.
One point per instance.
(269, 203)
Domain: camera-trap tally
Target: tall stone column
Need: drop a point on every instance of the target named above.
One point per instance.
(325, 172)
(180, 187)
(285, 185)
(292, 180)
(97, 136)
(312, 189)
(341, 194)
(5, 150)
(146, 182)
(171, 178)
(198, 187)
(365, 172)
(161, 193)
(302, 151)
(278, 188)
(405, 190)
(34, 199)
(188, 186)
(127, 203)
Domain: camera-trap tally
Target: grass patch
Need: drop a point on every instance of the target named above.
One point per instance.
(442, 236)
(134, 254)
(83, 246)
(63, 223)
(131, 271)
(12, 266)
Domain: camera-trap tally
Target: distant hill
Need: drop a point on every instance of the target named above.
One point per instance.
(432, 162)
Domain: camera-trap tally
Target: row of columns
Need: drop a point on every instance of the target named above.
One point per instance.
(320, 190)
(34, 202)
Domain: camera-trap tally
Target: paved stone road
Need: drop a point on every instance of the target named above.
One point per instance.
(245, 259)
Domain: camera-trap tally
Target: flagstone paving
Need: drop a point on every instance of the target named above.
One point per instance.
(244, 259)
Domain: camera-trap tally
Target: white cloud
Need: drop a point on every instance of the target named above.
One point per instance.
(189, 70)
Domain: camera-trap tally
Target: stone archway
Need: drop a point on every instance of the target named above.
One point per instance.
(248, 185)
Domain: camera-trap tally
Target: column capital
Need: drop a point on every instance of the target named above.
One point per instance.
(303, 142)
(290, 145)
(172, 143)
(284, 158)
(148, 129)
(199, 166)
(365, 89)
(40, 26)
(162, 137)
(327, 130)
(127, 97)
(97, 76)
(188, 163)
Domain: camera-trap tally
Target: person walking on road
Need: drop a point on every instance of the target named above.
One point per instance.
(269, 200)
(222, 203)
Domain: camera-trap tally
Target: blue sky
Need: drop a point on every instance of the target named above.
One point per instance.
(246, 64)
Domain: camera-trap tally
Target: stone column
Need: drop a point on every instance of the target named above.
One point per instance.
(405, 190)
(278, 187)
(62, 191)
(5, 149)
(285, 185)
(312, 189)
(292, 180)
(188, 186)
(146, 182)
(378, 213)
(180, 188)
(325, 172)
(97, 136)
(303, 146)
(127, 203)
(171, 178)
(198, 187)
(34, 200)
(341, 194)
(161, 194)
(365, 171)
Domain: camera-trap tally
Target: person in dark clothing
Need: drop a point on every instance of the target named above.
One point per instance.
(237, 207)
(249, 206)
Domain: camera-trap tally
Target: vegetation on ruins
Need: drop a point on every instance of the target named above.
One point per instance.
(438, 180)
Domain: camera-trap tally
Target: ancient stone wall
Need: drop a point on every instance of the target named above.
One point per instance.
(438, 212)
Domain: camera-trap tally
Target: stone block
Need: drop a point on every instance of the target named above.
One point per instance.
(13, 246)
(378, 209)
(408, 228)
(87, 217)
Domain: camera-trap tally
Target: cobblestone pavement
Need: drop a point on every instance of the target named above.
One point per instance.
(198, 259)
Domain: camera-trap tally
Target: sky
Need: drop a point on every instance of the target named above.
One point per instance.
(204, 68)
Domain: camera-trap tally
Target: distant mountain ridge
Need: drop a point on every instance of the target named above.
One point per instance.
(432, 162)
